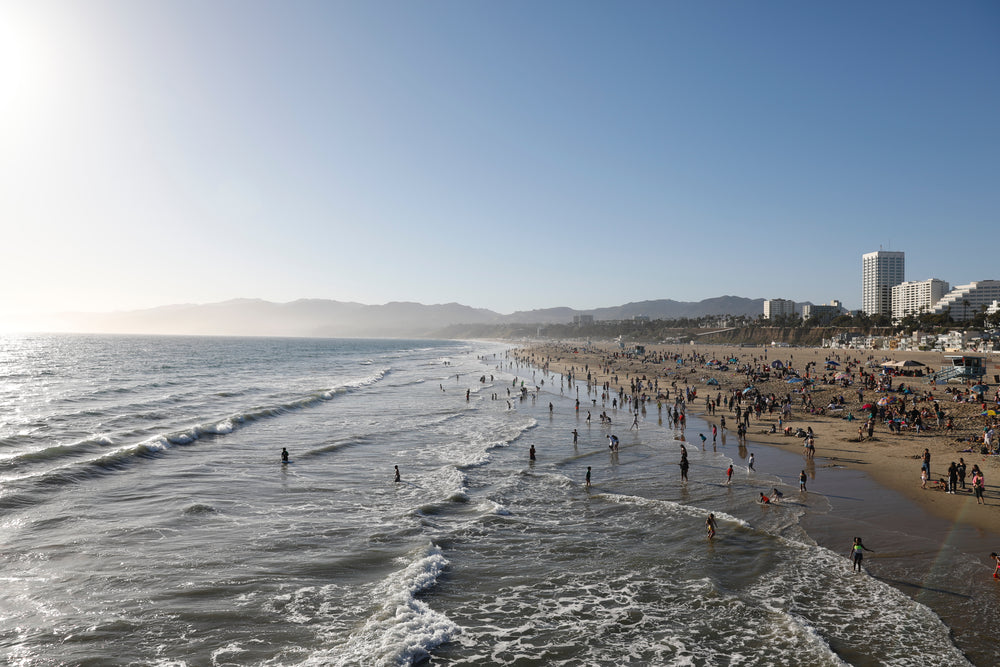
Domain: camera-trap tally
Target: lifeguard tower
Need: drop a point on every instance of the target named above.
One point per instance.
(962, 368)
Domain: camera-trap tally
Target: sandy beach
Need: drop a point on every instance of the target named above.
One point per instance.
(892, 459)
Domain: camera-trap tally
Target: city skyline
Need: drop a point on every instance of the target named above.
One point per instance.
(507, 156)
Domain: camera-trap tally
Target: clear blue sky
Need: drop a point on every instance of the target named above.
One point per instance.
(505, 155)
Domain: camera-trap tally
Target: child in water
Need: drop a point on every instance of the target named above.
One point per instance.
(857, 552)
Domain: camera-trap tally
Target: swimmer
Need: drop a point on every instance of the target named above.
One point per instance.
(284, 455)
(397, 473)
(777, 495)
(764, 500)
(857, 553)
(710, 525)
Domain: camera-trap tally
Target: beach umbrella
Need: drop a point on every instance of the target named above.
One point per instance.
(883, 401)
(832, 363)
(842, 376)
(749, 389)
(908, 363)
(793, 380)
(733, 360)
(980, 388)
(777, 364)
(713, 381)
(991, 413)
(866, 406)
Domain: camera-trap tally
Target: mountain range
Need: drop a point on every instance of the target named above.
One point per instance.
(328, 318)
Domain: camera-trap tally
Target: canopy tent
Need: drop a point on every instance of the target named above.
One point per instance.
(905, 363)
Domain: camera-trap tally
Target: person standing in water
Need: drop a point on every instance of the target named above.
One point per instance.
(750, 463)
(588, 477)
(397, 473)
(729, 474)
(710, 525)
(802, 481)
(531, 453)
(857, 551)
(284, 455)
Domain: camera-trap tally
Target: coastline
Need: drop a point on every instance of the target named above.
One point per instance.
(873, 486)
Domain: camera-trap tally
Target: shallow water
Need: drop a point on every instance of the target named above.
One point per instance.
(148, 520)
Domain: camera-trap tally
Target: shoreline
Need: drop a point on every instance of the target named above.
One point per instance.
(890, 459)
(873, 486)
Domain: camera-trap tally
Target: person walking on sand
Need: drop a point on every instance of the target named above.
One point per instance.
(857, 550)
(978, 485)
(923, 478)
(711, 527)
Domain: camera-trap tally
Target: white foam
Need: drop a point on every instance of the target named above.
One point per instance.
(401, 629)
(671, 507)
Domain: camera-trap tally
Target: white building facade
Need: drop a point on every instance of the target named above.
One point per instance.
(965, 301)
(777, 307)
(880, 272)
(917, 297)
(822, 311)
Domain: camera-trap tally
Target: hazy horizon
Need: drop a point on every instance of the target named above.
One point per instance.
(506, 156)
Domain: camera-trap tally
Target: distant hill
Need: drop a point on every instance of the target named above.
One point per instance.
(327, 318)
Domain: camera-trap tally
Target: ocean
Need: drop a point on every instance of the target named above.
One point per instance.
(147, 519)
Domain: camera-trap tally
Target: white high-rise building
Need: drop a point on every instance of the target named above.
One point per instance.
(916, 297)
(776, 307)
(881, 271)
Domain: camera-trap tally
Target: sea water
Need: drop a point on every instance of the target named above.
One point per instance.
(147, 519)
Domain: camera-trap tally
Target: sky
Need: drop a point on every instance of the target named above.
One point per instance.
(504, 155)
